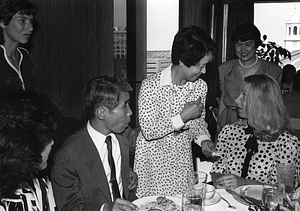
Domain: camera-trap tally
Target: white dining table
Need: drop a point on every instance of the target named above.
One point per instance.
(223, 206)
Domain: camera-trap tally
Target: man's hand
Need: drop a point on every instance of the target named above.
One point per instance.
(133, 180)
(208, 147)
(120, 204)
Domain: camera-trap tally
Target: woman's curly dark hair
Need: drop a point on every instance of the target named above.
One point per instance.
(27, 124)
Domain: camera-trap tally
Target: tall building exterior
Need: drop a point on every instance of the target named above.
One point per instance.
(292, 32)
(292, 40)
(156, 60)
(120, 43)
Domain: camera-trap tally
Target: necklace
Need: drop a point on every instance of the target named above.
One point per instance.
(248, 66)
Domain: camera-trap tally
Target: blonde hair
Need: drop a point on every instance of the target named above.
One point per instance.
(265, 109)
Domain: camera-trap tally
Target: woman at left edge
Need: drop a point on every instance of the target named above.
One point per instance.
(16, 18)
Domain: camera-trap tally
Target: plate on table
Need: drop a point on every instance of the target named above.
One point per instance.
(150, 203)
(254, 191)
(214, 200)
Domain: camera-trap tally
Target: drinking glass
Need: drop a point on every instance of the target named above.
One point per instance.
(286, 175)
(192, 199)
(197, 179)
(272, 195)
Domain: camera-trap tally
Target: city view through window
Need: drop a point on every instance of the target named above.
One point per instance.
(280, 22)
(162, 25)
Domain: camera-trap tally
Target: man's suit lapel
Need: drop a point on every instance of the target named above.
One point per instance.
(94, 164)
(123, 142)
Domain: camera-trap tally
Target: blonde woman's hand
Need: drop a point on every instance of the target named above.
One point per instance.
(227, 181)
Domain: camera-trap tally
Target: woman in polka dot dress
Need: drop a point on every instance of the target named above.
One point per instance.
(171, 115)
(247, 155)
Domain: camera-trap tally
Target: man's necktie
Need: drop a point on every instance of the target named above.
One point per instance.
(113, 180)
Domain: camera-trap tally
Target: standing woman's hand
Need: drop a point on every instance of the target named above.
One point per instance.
(192, 110)
(208, 147)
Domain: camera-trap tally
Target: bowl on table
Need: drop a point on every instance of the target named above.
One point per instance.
(209, 192)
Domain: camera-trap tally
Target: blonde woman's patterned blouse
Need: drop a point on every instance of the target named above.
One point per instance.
(231, 145)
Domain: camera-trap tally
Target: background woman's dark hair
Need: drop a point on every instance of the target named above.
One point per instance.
(27, 124)
(190, 45)
(288, 73)
(8, 8)
(246, 31)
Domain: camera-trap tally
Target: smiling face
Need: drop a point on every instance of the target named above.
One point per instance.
(192, 73)
(245, 51)
(117, 119)
(241, 101)
(19, 29)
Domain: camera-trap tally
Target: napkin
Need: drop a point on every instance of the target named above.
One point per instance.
(205, 167)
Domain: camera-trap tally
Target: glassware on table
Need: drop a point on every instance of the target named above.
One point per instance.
(193, 196)
(272, 196)
(286, 175)
(192, 199)
(196, 179)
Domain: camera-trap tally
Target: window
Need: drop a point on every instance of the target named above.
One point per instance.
(294, 44)
(162, 25)
(285, 15)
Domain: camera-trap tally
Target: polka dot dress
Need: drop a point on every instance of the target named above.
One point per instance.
(163, 156)
(231, 144)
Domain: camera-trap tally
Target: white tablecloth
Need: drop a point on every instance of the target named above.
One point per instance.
(223, 206)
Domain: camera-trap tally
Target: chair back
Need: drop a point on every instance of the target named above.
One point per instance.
(295, 123)
(66, 127)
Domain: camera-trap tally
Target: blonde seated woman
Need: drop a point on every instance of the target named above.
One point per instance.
(251, 148)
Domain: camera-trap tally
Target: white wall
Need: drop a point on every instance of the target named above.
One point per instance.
(162, 23)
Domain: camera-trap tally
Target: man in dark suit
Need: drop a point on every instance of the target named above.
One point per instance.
(86, 174)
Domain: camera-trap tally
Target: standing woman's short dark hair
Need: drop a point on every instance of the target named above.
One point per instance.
(190, 45)
(246, 31)
(27, 124)
(8, 8)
